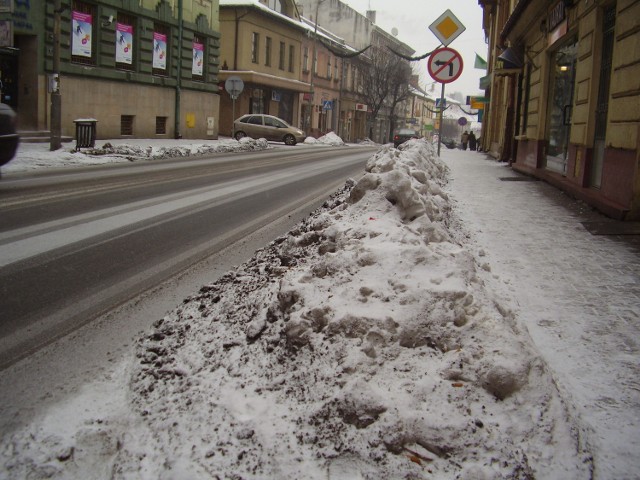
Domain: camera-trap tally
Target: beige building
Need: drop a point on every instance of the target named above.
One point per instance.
(262, 46)
(565, 90)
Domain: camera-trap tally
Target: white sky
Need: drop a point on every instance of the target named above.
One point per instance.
(412, 19)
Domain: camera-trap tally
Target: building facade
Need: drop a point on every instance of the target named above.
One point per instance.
(262, 46)
(142, 69)
(571, 103)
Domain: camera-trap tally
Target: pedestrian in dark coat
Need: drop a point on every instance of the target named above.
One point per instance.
(472, 142)
(465, 140)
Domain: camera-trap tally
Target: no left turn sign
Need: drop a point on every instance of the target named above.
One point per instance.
(445, 65)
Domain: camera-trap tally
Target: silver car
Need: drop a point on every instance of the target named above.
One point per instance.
(272, 128)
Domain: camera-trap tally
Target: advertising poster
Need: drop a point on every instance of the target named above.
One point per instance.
(198, 58)
(124, 43)
(159, 51)
(81, 25)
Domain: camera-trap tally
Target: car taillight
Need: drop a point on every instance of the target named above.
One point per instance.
(396, 137)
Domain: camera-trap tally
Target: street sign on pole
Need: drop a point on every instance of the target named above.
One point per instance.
(445, 65)
(447, 28)
(234, 86)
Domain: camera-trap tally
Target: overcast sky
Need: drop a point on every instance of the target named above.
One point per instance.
(412, 19)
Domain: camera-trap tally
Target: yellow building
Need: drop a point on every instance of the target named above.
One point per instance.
(261, 45)
(565, 89)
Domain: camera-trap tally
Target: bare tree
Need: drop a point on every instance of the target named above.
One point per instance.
(384, 78)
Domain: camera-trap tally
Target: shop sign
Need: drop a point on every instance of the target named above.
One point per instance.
(556, 15)
(361, 107)
(557, 23)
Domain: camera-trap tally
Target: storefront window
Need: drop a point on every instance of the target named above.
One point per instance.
(559, 112)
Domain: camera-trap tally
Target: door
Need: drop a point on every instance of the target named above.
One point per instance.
(563, 73)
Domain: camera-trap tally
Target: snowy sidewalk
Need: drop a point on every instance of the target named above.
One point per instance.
(578, 294)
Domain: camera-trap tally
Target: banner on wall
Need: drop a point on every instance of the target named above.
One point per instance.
(81, 24)
(124, 43)
(198, 58)
(159, 51)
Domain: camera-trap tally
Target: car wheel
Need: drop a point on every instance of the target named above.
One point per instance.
(240, 135)
(290, 140)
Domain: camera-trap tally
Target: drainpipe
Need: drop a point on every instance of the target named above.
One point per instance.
(179, 79)
(56, 97)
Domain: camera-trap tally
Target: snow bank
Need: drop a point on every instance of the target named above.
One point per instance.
(328, 139)
(37, 155)
(361, 345)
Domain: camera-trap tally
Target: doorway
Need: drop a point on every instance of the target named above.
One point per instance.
(563, 74)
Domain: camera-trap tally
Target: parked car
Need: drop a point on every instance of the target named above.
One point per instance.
(267, 126)
(450, 143)
(403, 135)
(8, 135)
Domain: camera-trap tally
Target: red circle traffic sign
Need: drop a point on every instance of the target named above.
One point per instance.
(445, 65)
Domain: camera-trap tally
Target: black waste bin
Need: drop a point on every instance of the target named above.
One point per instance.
(85, 133)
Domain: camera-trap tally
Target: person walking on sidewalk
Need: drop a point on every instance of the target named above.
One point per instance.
(472, 142)
(465, 140)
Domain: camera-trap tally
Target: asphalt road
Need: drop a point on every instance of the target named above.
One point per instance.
(74, 245)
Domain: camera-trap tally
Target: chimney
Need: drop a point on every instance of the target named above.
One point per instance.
(371, 16)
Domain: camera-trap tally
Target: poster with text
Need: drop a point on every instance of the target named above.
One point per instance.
(124, 43)
(81, 24)
(198, 58)
(159, 51)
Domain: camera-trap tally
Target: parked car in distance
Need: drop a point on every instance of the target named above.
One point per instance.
(450, 143)
(8, 135)
(402, 135)
(267, 126)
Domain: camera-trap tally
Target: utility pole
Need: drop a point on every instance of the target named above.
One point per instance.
(177, 134)
(56, 97)
(313, 63)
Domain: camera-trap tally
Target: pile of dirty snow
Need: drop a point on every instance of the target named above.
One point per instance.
(328, 139)
(361, 345)
(32, 156)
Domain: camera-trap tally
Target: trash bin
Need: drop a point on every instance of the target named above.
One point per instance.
(85, 133)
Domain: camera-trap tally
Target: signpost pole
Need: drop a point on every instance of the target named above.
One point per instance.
(233, 118)
(441, 115)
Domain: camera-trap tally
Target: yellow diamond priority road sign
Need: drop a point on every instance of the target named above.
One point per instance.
(447, 28)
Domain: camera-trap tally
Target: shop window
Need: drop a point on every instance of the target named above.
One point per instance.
(161, 49)
(125, 38)
(161, 125)
(197, 68)
(126, 124)
(83, 22)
